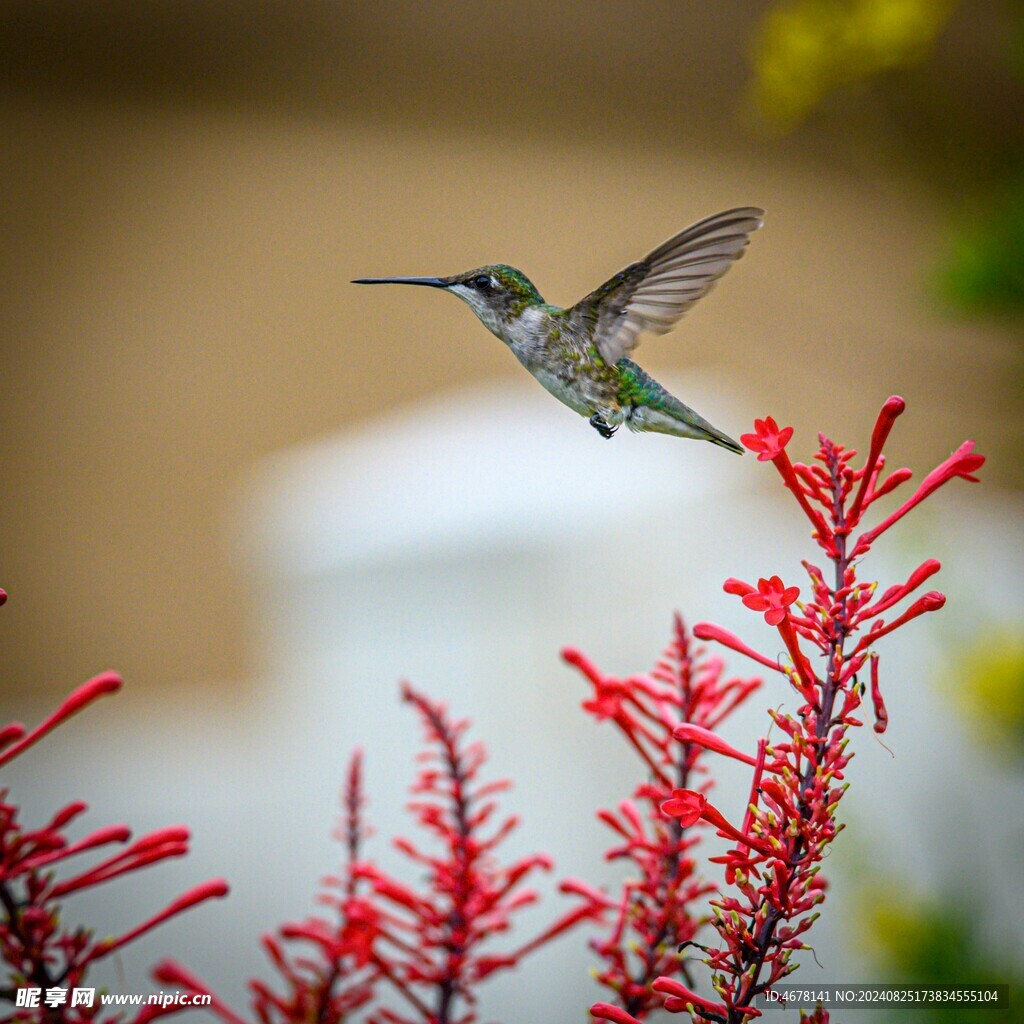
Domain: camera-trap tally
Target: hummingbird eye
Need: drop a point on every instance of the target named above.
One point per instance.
(483, 282)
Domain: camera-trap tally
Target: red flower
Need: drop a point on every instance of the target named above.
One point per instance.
(690, 733)
(711, 631)
(690, 807)
(361, 928)
(215, 888)
(82, 697)
(962, 463)
(615, 1014)
(893, 408)
(680, 997)
(687, 805)
(772, 598)
(768, 441)
(605, 703)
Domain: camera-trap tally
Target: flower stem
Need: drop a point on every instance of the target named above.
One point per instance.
(823, 723)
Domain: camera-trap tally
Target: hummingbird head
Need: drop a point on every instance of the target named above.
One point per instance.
(498, 294)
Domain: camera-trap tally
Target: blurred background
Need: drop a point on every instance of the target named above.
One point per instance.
(264, 495)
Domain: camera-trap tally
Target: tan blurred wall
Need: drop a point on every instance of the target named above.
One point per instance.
(189, 188)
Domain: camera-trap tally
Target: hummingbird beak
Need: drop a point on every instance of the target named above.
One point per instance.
(430, 282)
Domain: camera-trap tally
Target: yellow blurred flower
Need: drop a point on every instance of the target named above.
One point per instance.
(806, 49)
(989, 685)
(893, 920)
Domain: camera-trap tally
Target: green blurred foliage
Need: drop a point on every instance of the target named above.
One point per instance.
(988, 683)
(919, 941)
(807, 49)
(984, 269)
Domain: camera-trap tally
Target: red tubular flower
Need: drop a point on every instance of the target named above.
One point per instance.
(101, 837)
(690, 807)
(605, 1011)
(576, 658)
(738, 587)
(770, 444)
(690, 733)
(11, 732)
(159, 845)
(216, 888)
(773, 598)
(887, 486)
(713, 816)
(574, 886)
(686, 805)
(893, 408)
(894, 595)
(962, 463)
(930, 602)
(361, 929)
(98, 686)
(565, 923)
(805, 674)
(767, 440)
(710, 631)
(606, 703)
(680, 998)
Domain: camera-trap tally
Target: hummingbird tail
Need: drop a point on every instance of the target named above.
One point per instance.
(657, 410)
(724, 440)
(681, 422)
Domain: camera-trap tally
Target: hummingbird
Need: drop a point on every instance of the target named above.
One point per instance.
(580, 353)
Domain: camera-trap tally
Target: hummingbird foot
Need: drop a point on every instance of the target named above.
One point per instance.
(601, 427)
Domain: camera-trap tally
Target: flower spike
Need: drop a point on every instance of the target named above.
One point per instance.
(772, 876)
(674, 712)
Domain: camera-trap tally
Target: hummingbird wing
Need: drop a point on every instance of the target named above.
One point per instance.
(653, 293)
